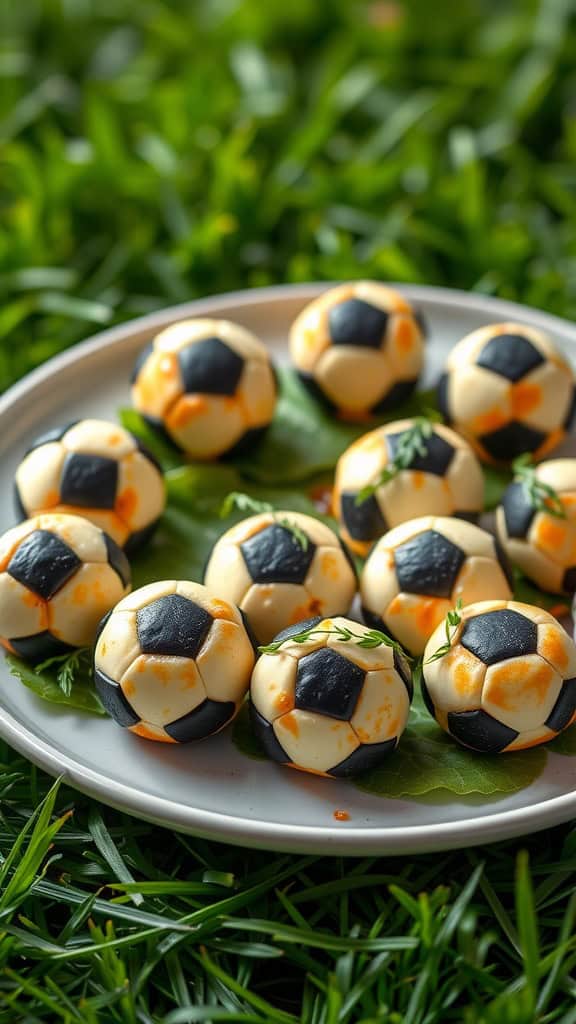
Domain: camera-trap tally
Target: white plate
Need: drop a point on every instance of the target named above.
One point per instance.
(211, 789)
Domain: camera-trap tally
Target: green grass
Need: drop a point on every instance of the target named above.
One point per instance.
(154, 151)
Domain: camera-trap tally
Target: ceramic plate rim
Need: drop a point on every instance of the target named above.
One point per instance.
(246, 831)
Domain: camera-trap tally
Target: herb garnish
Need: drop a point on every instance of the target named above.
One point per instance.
(66, 667)
(244, 503)
(411, 443)
(370, 639)
(452, 621)
(541, 496)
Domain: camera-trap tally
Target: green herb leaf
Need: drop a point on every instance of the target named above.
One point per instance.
(541, 495)
(370, 639)
(239, 500)
(82, 695)
(451, 623)
(411, 444)
(68, 668)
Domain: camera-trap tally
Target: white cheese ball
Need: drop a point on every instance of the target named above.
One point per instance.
(59, 575)
(445, 481)
(264, 568)
(508, 390)
(207, 385)
(507, 682)
(417, 572)
(172, 663)
(359, 348)
(541, 544)
(98, 470)
(328, 706)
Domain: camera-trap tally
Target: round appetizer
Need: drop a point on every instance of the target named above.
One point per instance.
(173, 663)
(508, 390)
(358, 348)
(536, 524)
(97, 470)
(59, 575)
(402, 470)
(329, 706)
(417, 572)
(280, 568)
(207, 385)
(508, 680)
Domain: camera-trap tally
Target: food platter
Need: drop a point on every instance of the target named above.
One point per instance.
(212, 789)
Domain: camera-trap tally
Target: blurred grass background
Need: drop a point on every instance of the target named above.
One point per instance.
(155, 151)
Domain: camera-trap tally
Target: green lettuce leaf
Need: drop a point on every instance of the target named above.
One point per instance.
(82, 695)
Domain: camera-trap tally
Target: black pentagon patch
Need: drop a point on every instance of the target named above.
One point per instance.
(481, 732)
(510, 355)
(21, 512)
(510, 441)
(495, 636)
(439, 453)
(428, 564)
(265, 733)
(274, 556)
(313, 388)
(403, 669)
(140, 360)
(569, 418)
(297, 627)
(504, 563)
(139, 538)
(569, 580)
(114, 700)
(210, 367)
(40, 647)
(366, 757)
(442, 396)
(43, 563)
(355, 322)
(428, 702)
(205, 720)
(364, 521)
(518, 510)
(399, 393)
(328, 683)
(89, 481)
(564, 708)
(56, 434)
(172, 625)
(117, 559)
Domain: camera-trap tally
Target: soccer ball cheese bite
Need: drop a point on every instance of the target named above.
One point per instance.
(417, 572)
(508, 681)
(541, 544)
(97, 470)
(508, 390)
(359, 348)
(59, 575)
(208, 385)
(328, 706)
(445, 481)
(262, 566)
(172, 663)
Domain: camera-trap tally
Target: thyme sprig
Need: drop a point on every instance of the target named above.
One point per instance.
(541, 496)
(370, 639)
(245, 503)
(411, 444)
(67, 667)
(451, 623)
